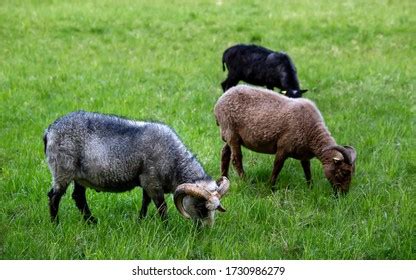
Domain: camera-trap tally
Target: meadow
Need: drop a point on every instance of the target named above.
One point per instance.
(161, 60)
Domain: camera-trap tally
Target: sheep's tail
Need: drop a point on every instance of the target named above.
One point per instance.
(45, 142)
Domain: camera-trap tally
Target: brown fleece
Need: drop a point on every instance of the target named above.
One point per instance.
(270, 123)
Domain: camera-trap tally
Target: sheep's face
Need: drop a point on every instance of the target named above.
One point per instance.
(198, 210)
(340, 169)
(200, 200)
(339, 175)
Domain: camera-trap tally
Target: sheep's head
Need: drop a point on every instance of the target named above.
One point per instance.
(294, 93)
(340, 167)
(200, 200)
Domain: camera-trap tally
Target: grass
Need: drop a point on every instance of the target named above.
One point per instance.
(161, 60)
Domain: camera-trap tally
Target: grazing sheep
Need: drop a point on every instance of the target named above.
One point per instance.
(270, 123)
(113, 154)
(260, 66)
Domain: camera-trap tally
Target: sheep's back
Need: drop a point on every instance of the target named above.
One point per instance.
(261, 117)
(108, 153)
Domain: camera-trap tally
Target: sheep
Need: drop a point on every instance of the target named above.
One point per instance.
(260, 66)
(113, 154)
(270, 123)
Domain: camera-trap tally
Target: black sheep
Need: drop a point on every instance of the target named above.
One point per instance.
(260, 66)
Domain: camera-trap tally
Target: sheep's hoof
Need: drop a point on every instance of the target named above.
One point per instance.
(91, 220)
(55, 220)
(274, 189)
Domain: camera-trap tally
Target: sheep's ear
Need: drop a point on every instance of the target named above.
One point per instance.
(302, 91)
(221, 208)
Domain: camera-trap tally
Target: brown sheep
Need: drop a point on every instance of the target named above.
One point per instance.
(270, 123)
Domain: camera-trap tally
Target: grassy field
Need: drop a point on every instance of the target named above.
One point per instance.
(161, 60)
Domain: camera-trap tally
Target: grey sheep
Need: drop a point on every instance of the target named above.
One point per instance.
(270, 123)
(112, 154)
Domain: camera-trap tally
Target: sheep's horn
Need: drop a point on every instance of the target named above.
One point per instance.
(349, 157)
(188, 189)
(178, 198)
(223, 186)
(351, 152)
(344, 153)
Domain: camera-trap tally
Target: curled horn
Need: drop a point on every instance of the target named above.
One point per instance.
(223, 186)
(345, 153)
(188, 189)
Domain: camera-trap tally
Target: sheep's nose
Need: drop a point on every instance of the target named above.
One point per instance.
(338, 190)
(208, 223)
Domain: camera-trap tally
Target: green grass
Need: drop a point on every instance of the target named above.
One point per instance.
(161, 60)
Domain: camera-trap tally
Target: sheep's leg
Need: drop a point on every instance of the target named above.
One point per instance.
(153, 192)
(278, 165)
(306, 165)
(81, 202)
(229, 82)
(225, 159)
(224, 85)
(237, 158)
(156, 194)
(145, 204)
(55, 195)
(161, 206)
